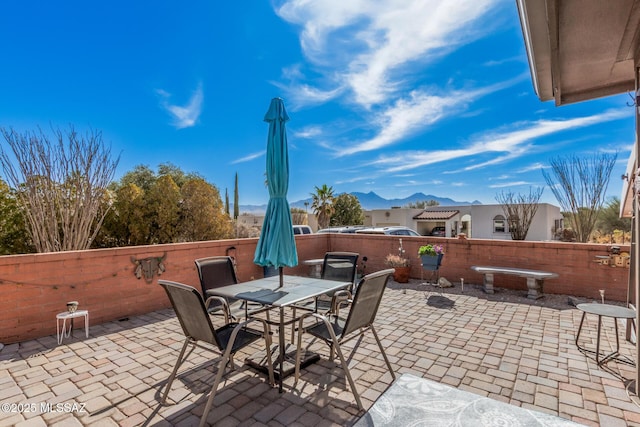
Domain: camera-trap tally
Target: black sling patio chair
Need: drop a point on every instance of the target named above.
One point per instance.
(335, 330)
(339, 266)
(215, 272)
(197, 327)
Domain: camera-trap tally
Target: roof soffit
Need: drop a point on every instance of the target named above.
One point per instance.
(581, 49)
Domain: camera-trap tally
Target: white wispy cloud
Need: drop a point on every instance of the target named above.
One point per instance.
(419, 110)
(249, 157)
(510, 184)
(355, 179)
(378, 40)
(509, 144)
(404, 118)
(308, 132)
(303, 95)
(371, 53)
(497, 62)
(183, 116)
(531, 167)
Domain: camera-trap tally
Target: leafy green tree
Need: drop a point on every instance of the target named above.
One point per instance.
(226, 201)
(178, 176)
(422, 204)
(14, 236)
(165, 212)
(322, 205)
(126, 225)
(609, 221)
(202, 213)
(348, 211)
(141, 175)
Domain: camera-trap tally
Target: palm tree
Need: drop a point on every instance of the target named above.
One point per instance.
(322, 205)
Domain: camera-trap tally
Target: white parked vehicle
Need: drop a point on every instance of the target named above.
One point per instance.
(302, 229)
(344, 229)
(392, 231)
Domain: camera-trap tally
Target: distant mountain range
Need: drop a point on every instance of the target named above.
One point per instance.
(370, 201)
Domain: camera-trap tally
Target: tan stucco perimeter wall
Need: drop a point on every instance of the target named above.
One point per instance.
(579, 274)
(36, 287)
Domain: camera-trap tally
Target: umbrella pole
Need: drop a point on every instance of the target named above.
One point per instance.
(281, 336)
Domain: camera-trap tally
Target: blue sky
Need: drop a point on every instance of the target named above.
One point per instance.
(395, 97)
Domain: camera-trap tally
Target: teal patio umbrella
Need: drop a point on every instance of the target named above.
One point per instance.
(277, 246)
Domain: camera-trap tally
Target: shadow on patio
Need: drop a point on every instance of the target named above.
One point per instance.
(502, 346)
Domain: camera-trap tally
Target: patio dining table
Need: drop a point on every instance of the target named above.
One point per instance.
(267, 291)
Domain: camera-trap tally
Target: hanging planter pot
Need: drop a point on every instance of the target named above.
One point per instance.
(431, 262)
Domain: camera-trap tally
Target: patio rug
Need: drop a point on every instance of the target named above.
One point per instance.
(413, 401)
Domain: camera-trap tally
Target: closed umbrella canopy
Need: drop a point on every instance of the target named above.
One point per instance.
(277, 245)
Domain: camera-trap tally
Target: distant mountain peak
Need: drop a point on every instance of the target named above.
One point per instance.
(370, 201)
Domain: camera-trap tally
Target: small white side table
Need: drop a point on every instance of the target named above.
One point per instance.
(61, 323)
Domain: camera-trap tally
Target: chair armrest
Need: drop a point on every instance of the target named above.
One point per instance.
(225, 306)
(323, 319)
(338, 299)
(341, 293)
(310, 314)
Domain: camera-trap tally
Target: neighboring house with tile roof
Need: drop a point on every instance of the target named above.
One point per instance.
(477, 221)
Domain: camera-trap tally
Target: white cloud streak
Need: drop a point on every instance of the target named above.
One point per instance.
(249, 157)
(377, 40)
(304, 95)
(418, 111)
(532, 167)
(510, 184)
(404, 118)
(183, 116)
(308, 132)
(511, 144)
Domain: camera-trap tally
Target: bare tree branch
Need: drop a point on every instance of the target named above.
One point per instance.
(520, 210)
(62, 185)
(580, 186)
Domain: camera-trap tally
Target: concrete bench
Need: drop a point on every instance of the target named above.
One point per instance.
(535, 278)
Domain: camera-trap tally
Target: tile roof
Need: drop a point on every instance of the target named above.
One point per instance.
(436, 215)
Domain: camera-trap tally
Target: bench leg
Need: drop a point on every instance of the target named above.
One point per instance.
(488, 283)
(535, 288)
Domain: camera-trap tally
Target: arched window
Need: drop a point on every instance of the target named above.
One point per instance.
(499, 224)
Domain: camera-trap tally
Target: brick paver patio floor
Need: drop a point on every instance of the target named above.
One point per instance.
(518, 353)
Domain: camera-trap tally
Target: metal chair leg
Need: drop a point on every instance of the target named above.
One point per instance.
(347, 373)
(298, 352)
(175, 370)
(214, 389)
(384, 354)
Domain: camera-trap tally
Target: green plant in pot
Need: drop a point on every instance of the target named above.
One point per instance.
(431, 256)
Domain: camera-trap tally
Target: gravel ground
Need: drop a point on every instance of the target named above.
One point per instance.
(556, 301)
